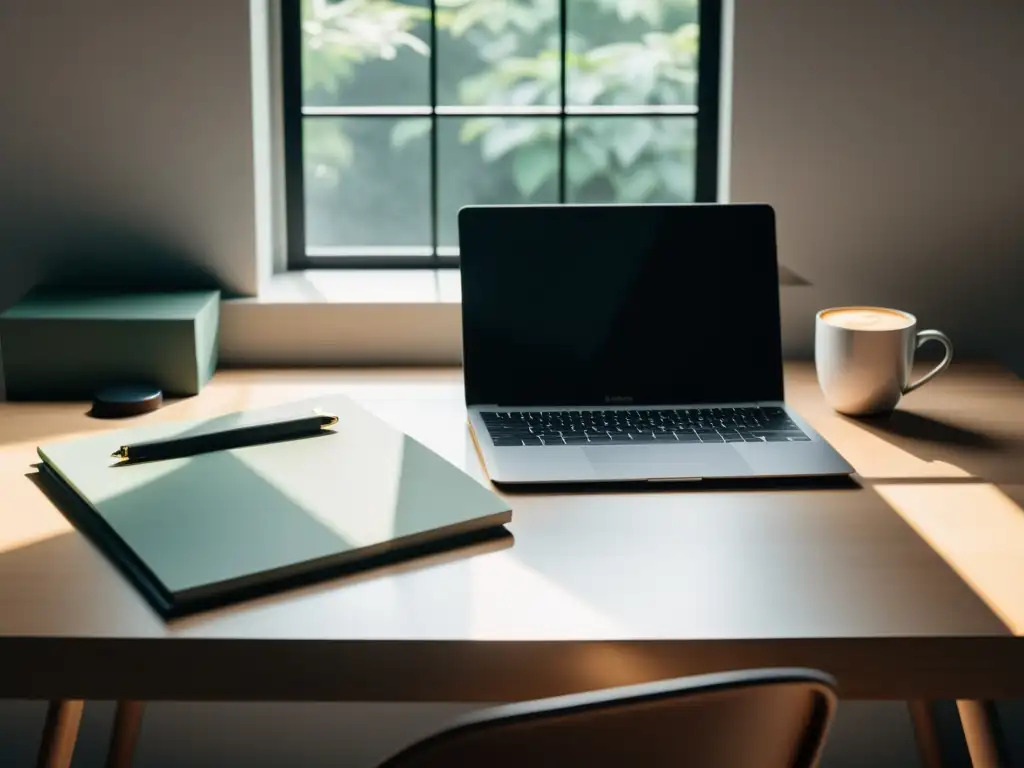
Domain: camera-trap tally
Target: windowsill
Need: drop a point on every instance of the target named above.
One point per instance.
(346, 317)
(361, 286)
(355, 317)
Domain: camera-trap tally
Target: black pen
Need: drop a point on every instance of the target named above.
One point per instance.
(257, 434)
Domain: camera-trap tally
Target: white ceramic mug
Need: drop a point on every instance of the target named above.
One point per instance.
(864, 356)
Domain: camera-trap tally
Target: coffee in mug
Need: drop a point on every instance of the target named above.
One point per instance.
(867, 318)
(864, 355)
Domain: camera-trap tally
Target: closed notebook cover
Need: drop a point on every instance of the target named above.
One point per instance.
(209, 528)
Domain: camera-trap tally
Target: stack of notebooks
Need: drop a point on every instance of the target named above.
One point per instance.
(210, 527)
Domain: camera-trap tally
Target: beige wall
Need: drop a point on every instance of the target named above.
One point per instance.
(889, 135)
(126, 141)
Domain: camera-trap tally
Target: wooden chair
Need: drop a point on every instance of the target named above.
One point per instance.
(771, 718)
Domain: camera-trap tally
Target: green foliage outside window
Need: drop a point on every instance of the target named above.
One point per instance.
(507, 53)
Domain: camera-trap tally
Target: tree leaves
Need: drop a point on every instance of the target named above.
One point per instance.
(533, 165)
(581, 167)
(339, 35)
(678, 179)
(631, 138)
(536, 80)
(460, 17)
(630, 52)
(638, 186)
(475, 127)
(648, 10)
(595, 151)
(585, 88)
(653, 12)
(409, 130)
(326, 150)
(507, 135)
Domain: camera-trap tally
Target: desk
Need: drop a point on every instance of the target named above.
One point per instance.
(908, 586)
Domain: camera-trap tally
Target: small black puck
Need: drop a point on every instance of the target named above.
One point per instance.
(126, 400)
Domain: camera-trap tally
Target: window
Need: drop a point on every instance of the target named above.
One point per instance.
(400, 112)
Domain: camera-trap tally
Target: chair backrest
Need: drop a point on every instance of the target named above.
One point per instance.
(771, 718)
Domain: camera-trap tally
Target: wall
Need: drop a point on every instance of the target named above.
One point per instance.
(126, 144)
(888, 136)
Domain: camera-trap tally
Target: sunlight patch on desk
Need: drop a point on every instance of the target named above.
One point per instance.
(508, 597)
(17, 531)
(979, 531)
(323, 611)
(26, 424)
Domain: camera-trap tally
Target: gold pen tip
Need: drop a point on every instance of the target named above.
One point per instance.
(321, 412)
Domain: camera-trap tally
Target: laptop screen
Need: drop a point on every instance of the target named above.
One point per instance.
(594, 305)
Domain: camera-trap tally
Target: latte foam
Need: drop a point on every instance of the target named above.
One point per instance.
(867, 319)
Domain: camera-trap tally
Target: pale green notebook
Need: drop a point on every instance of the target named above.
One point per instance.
(218, 527)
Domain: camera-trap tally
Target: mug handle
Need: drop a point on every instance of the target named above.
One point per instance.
(923, 338)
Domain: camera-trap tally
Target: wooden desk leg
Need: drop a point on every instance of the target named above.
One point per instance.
(60, 733)
(127, 724)
(926, 733)
(981, 731)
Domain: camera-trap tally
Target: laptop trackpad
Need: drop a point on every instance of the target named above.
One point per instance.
(642, 461)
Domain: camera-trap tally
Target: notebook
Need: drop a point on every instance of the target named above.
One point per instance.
(205, 530)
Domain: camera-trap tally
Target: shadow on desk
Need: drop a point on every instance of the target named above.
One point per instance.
(978, 450)
(752, 484)
(930, 430)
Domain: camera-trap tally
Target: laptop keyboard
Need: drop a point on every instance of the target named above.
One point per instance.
(684, 425)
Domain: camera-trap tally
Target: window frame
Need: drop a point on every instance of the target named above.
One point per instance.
(705, 114)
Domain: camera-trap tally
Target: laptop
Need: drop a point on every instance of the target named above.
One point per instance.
(617, 343)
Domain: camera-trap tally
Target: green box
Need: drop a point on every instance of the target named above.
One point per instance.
(68, 345)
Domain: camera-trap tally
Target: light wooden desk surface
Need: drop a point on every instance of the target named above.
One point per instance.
(597, 589)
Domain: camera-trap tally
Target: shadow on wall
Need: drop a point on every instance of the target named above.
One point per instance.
(47, 242)
(72, 252)
(788, 277)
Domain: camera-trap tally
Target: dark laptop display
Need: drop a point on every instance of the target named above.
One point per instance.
(620, 305)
